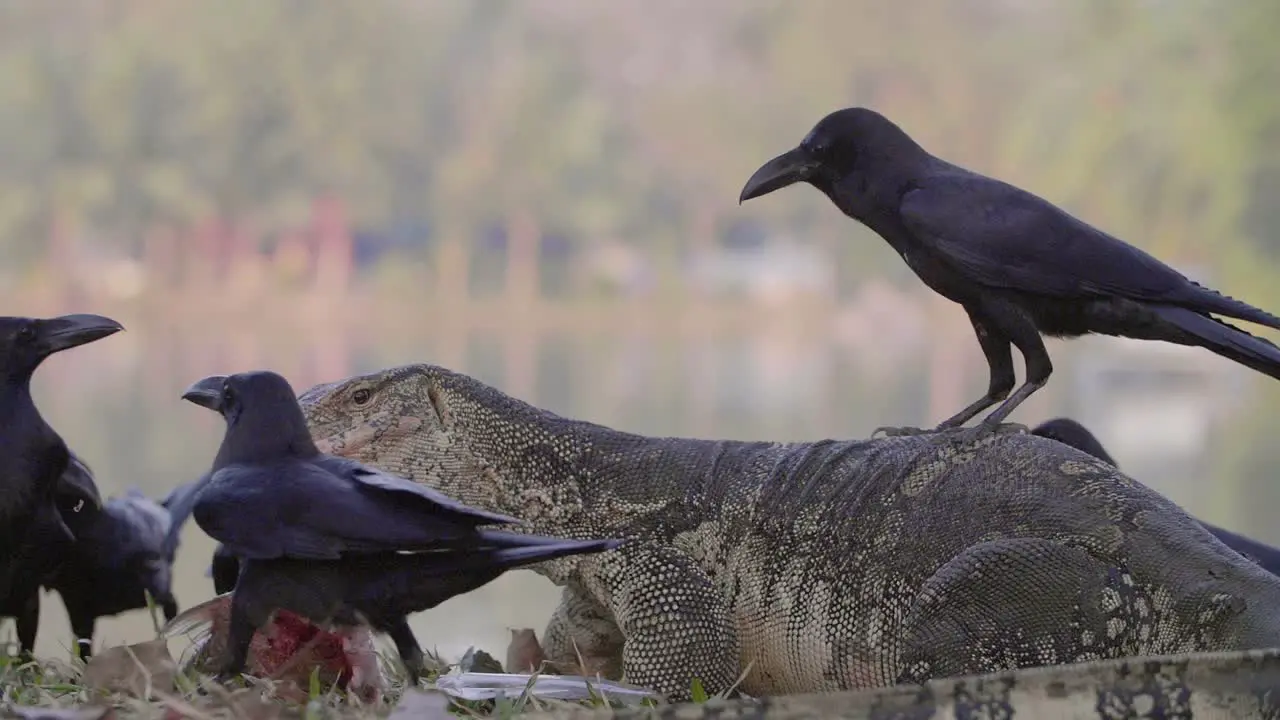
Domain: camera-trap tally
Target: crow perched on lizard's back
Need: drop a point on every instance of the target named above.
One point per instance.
(1070, 432)
(33, 457)
(334, 540)
(1019, 266)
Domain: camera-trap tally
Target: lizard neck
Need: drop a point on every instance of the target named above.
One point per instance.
(577, 479)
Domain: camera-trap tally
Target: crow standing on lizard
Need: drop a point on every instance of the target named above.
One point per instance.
(333, 540)
(1018, 265)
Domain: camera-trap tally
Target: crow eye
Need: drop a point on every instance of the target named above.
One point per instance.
(26, 332)
(361, 396)
(228, 394)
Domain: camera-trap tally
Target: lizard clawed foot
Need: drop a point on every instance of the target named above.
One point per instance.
(900, 431)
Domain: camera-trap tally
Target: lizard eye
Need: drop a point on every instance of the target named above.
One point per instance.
(361, 396)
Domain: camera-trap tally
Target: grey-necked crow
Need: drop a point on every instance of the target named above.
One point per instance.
(1019, 266)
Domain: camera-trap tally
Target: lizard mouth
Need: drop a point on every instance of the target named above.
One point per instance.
(351, 443)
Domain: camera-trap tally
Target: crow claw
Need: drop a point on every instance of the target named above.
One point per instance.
(970, 435)
(899, 431)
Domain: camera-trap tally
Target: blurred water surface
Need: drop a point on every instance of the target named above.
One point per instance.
(117, 404)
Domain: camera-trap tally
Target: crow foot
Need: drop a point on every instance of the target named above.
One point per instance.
(900, 431)
(972, 434)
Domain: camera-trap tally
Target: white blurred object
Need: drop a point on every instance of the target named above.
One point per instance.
(486, 686)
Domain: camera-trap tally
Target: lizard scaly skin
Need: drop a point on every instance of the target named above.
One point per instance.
(817, 566)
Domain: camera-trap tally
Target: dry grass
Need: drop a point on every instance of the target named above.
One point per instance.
(144, 681)
(51, 684)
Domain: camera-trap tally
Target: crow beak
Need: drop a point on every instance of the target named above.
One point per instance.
(790, 167)
(206, 393)
(68, 331)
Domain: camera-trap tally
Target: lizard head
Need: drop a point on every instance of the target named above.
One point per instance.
(404, 420)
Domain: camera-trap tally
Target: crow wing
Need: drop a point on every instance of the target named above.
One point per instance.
(313, 510)
(399, 489)
(1004, 237)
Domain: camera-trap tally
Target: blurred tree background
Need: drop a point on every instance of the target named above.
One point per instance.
(543, 193)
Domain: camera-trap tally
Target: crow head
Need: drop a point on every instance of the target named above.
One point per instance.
(842, 144)
(261, 411)
(26, 342)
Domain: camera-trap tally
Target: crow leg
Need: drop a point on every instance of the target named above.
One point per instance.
(239, 634)
(410, 652)
(1022, 331)
(997, 348)
(28, 622)
(82, 622)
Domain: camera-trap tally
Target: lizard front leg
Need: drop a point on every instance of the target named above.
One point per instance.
(582, 629)
(674, 623)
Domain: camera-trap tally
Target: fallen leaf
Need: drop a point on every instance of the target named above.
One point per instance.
(138, 670)
(422, 705)
(477, 660)
(83, 712)
(524, 653)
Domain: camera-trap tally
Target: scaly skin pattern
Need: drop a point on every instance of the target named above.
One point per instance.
(818, 566)
(1241, 685)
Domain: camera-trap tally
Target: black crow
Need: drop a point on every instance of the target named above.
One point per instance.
(1070, 432)
(33, 535)
(224, 569)
(1018, 265)
(118, 558)
(117, 554)
(78, 503)
(331, 539)
(179, 502)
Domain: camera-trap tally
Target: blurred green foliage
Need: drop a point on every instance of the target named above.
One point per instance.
(635, 121)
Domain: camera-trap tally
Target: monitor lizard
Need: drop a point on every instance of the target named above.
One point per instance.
(814, 566)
